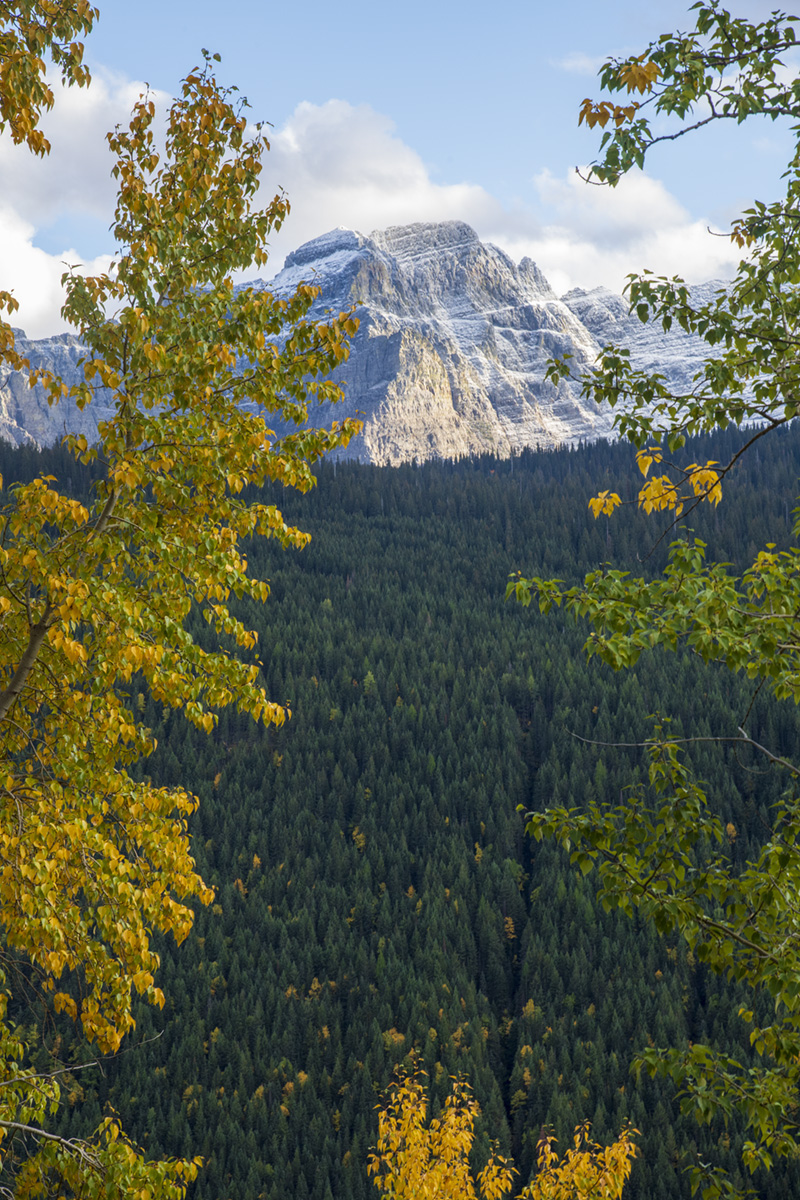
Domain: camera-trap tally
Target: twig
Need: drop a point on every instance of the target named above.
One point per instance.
(686, 741)
(69, 1144)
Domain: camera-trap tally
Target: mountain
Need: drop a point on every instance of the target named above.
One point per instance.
(453, 345)
(450, 356)
(26, 418)
(676, 354)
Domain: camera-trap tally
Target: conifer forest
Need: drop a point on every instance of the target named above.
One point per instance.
(375, 889)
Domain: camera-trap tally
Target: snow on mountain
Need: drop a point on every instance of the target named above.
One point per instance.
(450, 355)
(26, 418)
(453, 344)
(675, 354)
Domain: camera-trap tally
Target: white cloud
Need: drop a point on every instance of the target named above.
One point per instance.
(787, 71)
(598, 235)
(76, 174)
(73, 183)
(343, 165)
(578, 63)
(35, 277)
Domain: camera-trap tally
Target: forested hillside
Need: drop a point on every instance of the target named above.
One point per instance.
(375, 891)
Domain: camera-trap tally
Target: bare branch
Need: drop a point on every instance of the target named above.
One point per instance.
(649, 743)
(71, 1144)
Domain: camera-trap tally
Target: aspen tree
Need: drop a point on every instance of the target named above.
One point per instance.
(94, 593)
(653, 852)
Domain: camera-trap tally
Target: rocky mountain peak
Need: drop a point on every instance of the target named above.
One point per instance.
(535, 279)
(335, 242)
(453, 345)
(424, 239)
(450, 356)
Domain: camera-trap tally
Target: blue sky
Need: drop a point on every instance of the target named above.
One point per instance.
(386, 113)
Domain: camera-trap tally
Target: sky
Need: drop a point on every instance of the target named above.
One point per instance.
(383, 114)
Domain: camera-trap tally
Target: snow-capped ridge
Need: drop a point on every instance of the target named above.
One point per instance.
(319, 248)
(453, 345)
(451, 352)
(425, 238)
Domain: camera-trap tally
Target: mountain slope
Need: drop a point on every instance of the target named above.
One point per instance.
(26, 418)
(676, 354)
(450, 357)
(453, 345)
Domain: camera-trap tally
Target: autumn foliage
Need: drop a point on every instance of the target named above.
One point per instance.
(94, 594)
(430, 1159)
(665, 849)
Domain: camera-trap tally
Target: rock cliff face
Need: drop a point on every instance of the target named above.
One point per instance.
(450, 356)
(675, 354)
(453, 344)
(25, 415)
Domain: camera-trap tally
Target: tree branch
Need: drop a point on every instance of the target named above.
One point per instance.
(37, 635)
(74, 1147)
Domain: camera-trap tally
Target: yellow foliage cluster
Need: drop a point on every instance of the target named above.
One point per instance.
(587, 1170)
(94, 595)
(600, 113)
(417, 1159)
(606, 502)
(91, 860)
(421, 1159)
(28, 33)
(639, 75)
(636, 75)
(662, 493)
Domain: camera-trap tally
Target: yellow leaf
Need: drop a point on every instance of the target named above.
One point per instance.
(705, 482)
(639, 76)
(646, 457)
(606, 502)
(660, 493)
(64, 1003)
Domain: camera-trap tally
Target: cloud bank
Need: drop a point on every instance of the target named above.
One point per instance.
(70, 193)
(342, 165)
(598, 236)
(339, 165)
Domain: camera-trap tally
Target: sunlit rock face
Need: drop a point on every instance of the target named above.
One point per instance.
(453, 345)
(450, 356)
